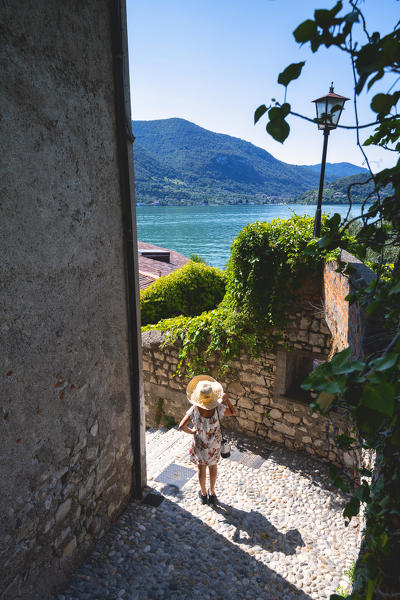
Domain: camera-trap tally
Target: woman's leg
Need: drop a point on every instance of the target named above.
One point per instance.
(213, 477)
(202, 471)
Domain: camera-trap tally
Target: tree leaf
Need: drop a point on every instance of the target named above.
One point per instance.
(278, 129)
(395, 289)
(340, 360)
(335, 387)
(306, 31)
(324, 401)
(323, 17)
(352, 508)
(352, 17)
(385, 362)
(379, 397)
(284, 110)
(291, 72)
(261, 110)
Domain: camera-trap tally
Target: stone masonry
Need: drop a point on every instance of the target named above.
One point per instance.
(267, 405)
(65, 427)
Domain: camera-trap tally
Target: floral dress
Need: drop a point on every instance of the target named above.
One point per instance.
(206, 444)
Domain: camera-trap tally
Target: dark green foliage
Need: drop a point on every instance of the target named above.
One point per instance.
(291, 72)
(368, 389)
(197, 258)
(188, 291)
(266, 266)
(178, 162)
(264, 273)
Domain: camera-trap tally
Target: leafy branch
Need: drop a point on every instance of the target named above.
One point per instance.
(367, 387)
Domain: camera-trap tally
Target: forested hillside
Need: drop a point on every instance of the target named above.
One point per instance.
(178, 162)
(336, 191)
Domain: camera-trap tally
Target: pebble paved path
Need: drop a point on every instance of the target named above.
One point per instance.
(277, 533)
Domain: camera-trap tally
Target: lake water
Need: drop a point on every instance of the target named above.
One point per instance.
(209, 230)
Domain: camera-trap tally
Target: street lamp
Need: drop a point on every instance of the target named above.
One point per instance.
(329, 108)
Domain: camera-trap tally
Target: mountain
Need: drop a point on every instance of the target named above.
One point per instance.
(335, 170)
(336, 191)
(179, 162)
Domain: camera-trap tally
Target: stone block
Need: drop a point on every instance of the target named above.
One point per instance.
(305, 322)
(91, 453)
(80, 445)
(282, 428)
(245, 403)
(275, 437)
(274, 413)
(302, 336)
(315, 326)
(62, 537)
(306, 440)
(349, 459)
(69, 548)
(247, 424)
(63, 510)
(48, 525)
(317, 340)
(235, 388)
(260, 389)
(256, 417)
(291, 418)
(94, 429)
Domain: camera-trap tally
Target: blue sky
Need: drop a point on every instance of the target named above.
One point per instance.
(213, 62)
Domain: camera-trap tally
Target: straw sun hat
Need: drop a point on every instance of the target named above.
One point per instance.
(204, 391)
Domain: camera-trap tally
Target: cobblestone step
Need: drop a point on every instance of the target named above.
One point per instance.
(163, 447)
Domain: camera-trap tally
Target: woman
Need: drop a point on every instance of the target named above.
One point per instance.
(210, 404)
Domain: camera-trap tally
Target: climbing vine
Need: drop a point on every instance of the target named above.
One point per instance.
(366, 387)
(268, 263)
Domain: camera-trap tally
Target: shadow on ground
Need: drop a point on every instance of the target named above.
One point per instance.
(252, 528)
(177, 556)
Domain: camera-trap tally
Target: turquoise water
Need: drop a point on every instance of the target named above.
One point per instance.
(209, 230)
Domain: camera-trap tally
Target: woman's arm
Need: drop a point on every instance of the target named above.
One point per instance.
(183, 425)
(230, 410)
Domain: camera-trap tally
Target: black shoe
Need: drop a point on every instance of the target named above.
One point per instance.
(212, 498)
(204, 499)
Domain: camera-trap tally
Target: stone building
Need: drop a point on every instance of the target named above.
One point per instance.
(156, 262)
(72, 424)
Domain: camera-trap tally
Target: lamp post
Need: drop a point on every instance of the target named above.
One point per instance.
(329, 108)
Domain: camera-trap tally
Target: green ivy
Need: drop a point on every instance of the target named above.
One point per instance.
(268, 263)
(367, 387)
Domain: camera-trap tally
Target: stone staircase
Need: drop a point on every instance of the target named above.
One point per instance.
(163, 447)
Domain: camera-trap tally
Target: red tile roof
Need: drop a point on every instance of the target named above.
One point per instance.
(150, 269)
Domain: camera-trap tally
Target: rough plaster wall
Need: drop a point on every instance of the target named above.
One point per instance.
(65, 457)
(347, 323)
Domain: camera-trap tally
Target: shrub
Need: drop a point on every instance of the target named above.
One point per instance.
(197, 258)
(188, 291)
(267, 265)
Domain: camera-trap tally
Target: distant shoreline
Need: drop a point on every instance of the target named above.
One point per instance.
(283, 203)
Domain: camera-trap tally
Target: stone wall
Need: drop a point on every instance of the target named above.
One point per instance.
(347, 323)
(65, 443)
(265, 391)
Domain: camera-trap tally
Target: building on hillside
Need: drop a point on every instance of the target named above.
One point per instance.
(155, 262)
